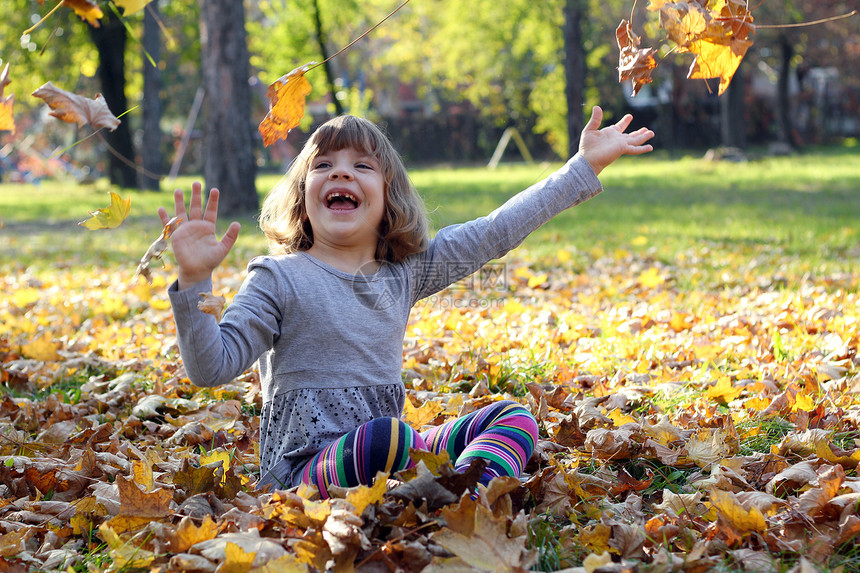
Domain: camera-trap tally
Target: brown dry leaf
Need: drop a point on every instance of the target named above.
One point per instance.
(73, 108)
(156, 249)
(286, 104)
(634, 63)
(482, 542)
(211, 304)
(135, 502)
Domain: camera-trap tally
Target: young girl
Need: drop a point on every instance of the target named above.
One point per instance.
(325, 315)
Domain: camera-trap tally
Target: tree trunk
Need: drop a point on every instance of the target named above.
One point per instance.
(109, 39)
(574, 72)
(321, 40)
(151, 155)
(785, 124)
(733, 111)
(229, 132)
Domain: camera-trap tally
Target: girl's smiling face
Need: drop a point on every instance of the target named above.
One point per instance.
(345, 199)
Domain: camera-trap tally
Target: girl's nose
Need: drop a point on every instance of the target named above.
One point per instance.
(340, 173)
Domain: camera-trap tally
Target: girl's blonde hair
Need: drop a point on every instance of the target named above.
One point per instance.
(403, 230)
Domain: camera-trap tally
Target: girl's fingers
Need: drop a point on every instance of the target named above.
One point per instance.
(162, 214)
(595, 119)
(623, 123)
(196, 207)
(179, 203)
(211, 213)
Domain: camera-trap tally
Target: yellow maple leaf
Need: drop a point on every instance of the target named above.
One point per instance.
(723, 391)
(187, 533)
(537, 280)
(125, 554)
(741, 519)
(619, 418)
(236, 559)
(214, 457)
(7, 120)
(109, 217)
(286, 104)
(419, 417)
(131, 6)
(717, 58)
(362, 496)
(42, 348)
(141, 472)
(803, 402)
(650, 278)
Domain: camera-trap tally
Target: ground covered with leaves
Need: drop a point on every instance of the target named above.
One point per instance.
(690, 420)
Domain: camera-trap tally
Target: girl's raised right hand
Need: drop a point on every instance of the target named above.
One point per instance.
(196, 248)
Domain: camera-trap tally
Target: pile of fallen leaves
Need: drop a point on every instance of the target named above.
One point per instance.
(687, 422)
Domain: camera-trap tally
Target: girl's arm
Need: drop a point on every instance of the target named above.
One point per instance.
(459, 250)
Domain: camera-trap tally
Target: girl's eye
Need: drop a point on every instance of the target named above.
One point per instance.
(322, 164)
(364, 166)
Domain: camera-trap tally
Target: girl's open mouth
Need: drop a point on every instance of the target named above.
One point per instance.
(341, 201)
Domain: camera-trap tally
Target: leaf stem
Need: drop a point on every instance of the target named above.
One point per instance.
(804, 24)
(45, 17)
(374, 27)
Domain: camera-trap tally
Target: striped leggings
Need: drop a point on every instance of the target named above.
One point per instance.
(504, 433)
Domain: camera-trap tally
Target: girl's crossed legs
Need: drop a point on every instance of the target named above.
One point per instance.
(504, 433)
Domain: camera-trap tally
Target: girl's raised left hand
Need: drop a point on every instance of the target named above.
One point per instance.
(600, 147)
(196, 248)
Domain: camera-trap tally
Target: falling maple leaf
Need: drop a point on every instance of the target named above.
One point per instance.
(717, 58)
(7, 120)
(156, 249)
(88, 10)
(634, 63)
(73, 108)
(286, 104)
(717, 31)
(131, 6)
(111, 216)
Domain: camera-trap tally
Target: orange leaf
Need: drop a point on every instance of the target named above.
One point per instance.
(109, 217)
(87, 9)
(634, 63)
(287, 104)
(73, 108)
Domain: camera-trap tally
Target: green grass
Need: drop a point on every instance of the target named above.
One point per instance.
(799, 211)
